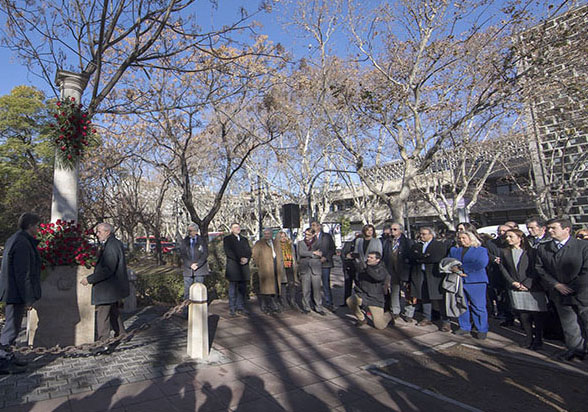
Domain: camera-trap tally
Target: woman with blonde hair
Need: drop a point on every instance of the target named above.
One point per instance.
(474, 259)
(287, 269)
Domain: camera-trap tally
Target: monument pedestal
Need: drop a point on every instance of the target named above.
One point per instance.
(66, 314)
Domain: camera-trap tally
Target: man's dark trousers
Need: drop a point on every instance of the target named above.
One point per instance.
(107, 317)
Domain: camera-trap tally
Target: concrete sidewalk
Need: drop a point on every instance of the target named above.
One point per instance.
(291, 362)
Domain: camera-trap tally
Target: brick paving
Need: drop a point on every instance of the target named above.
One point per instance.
(291, 362)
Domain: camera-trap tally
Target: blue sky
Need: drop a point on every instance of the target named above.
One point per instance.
(14, 73)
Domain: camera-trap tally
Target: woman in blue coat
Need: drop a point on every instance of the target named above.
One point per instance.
(474, 260)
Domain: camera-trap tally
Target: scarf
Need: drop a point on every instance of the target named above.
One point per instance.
(287, 253)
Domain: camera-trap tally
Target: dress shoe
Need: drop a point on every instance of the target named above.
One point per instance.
(101, 350)
(242, 312)
(461, 332)
(232, 314)
(445, 327)
(407, 319)
(7, 367)
(570, 355)
(481, 335)
(305, 311)
(424, 322)
(321, 312)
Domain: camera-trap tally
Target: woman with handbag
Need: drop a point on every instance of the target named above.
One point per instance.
(526, 294)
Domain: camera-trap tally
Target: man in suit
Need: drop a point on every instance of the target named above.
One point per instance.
(537, 232)
(110, 284)
(326, 245)
(396, 250)
(20, 287)
(238, 254)
(425, 278)
(310, 267)
(194, 254)
(562, 265)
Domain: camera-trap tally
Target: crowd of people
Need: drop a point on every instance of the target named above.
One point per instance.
(466, 277)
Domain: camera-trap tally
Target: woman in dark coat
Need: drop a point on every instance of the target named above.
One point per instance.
(526, 294)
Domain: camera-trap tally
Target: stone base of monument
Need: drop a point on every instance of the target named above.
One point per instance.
(66, 314)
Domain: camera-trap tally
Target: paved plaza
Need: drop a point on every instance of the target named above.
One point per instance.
(291, 362)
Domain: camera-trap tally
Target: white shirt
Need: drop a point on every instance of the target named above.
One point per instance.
(425, 246)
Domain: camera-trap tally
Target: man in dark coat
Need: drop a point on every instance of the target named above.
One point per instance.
(369, 293)
(20, 286)
(110, 284)
(349, 270)
(396, 257)
(326, 245)
(562, 265)
(194, 254)
(238, 253)
(425, 279)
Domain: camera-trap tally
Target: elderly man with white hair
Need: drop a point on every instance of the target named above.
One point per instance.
(194, 254)
(110, 284)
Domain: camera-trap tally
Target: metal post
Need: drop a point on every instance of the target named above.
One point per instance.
(259, 211)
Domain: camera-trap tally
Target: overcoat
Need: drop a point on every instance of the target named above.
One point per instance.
(197, 254)
(20, 279)
(399, 270)
(235, 249)
(326, 244)
(264, 260)
(431, 258)
(110, 282)
(375, 245)
(523, 272)
(370, 285)
(568, 265)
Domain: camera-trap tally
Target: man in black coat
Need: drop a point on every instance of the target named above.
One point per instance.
(20, 286)
(238, 253)
(194, 254)
(110, 284)
(562, 265)
(395, 250)
(425, 279)
(369, 293)
(326, 245)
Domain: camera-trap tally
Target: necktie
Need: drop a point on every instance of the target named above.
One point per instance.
(560, 245)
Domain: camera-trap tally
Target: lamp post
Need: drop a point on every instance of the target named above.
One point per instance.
(309, 195)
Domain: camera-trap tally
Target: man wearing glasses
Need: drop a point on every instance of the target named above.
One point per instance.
(395, 255)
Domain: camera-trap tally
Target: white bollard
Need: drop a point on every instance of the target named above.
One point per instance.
(198, 322)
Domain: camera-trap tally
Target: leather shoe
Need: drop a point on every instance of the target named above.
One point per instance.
(232, 314)
(424, 322)
(101, 350)
(242, 312)
(7, 367)
(461, 332)
(481, 335)
(407, 319)
(445, 327)
(305, 311)
(321, 312)
(569, 355)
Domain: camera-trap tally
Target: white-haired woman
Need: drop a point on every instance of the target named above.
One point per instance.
(474, 259)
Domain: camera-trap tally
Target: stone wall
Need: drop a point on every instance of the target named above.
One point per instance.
(556, 58)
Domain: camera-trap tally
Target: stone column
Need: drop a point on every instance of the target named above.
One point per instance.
(64, 204)
(198, 322)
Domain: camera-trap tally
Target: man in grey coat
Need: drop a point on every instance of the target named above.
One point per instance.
(110, 284)
(310, 269)
(194, 254)
(20, 286)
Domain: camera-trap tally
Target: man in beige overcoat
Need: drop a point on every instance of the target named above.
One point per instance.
(266, 258)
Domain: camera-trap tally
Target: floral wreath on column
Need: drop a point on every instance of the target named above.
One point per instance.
(72, 131)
